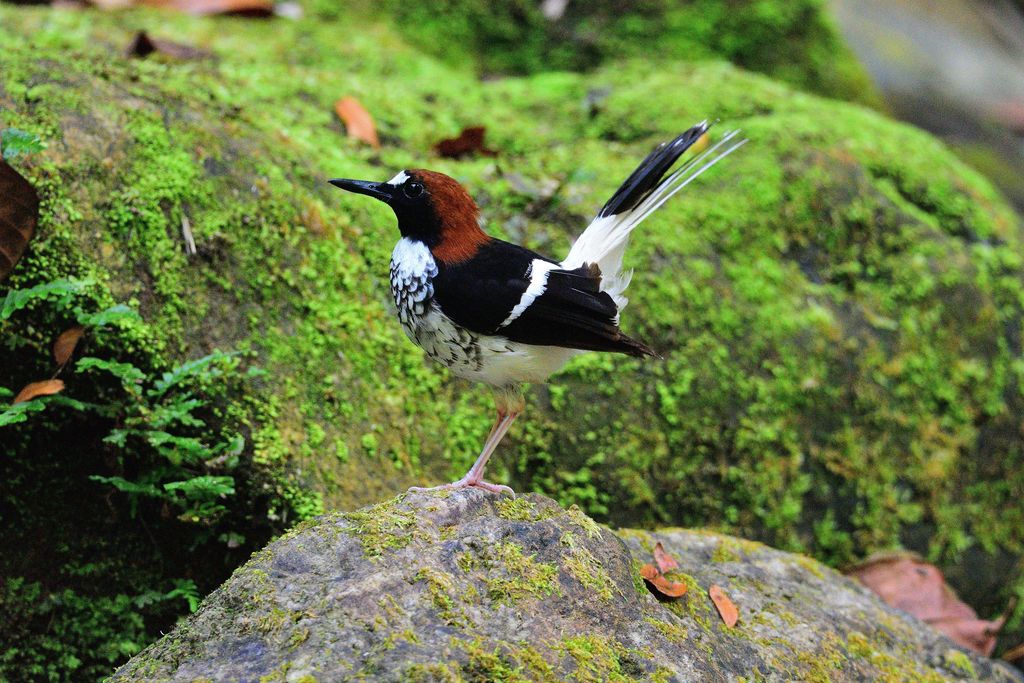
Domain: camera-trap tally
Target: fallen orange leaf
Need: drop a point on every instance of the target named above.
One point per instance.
(670, 589)
(66, 343)
(662, 586)
(726, 608)
(19, 213)
(34, 389)
(358, 122)
(665, 562)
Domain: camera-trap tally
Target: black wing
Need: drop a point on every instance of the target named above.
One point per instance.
(571, 312)
(574, 313)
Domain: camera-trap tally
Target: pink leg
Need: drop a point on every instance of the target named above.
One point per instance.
(475, 475)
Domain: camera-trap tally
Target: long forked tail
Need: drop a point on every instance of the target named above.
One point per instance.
(605, 239)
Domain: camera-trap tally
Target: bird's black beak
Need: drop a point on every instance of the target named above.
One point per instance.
(379, 191)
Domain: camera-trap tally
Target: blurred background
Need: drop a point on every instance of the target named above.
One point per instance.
(953, 68)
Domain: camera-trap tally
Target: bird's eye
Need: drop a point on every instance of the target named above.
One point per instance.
(413, 190)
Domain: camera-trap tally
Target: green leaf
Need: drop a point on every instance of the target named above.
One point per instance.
(19, 412)
(199, 366)
(177, 449)
(126, 372)
(186, 589)
(122, 484)
(61, 290)
(114, 314)
(203, 488)
(183, 588)
(14, 142)
(179, 411)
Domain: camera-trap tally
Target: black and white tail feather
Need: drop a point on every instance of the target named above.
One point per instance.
(604, 241)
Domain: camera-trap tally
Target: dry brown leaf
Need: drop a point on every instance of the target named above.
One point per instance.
(358, 122)
(469, 141)
(19, 213)
(726, 608)
(665, 562)
(143, 45)
(668, 588)
(916, 587)
(660, 585)
(245, 8)
(66, 343)
(44, 388)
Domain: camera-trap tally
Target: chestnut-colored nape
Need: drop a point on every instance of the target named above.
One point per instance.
(460, 234)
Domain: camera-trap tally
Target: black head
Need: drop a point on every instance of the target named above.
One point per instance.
(430, 206)
(407, 195)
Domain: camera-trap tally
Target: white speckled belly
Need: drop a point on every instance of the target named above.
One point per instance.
(482, 358)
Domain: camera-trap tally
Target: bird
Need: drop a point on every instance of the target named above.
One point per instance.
(503, 315)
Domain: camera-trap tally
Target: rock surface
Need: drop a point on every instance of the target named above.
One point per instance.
(475, 587)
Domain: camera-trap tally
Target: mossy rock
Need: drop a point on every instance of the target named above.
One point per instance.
(794, 41)
(839, 303)
(469, 590)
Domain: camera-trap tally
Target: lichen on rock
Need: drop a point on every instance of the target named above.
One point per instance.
(315, 605)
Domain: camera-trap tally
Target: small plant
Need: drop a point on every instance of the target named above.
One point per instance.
(14, 142)
(159, 415)
(114, 434)
(156, 417)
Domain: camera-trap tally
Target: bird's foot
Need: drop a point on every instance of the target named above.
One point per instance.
(466, 482)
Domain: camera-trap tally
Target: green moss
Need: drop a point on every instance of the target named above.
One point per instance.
(502, 663)
(585, 568)
(726, 551)
(599, 658)
(794, 41)
(431, 673)
(508, 575)
(670, 631)
(639, 586)
(580, 519)
(811, 565)
(960, 663)
(382, 527)
(858, 645)
(694, 604)
(518, 509)
(441, 589)
(822, 664)
(486, 665)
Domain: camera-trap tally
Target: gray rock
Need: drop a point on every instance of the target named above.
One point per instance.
(471, 586)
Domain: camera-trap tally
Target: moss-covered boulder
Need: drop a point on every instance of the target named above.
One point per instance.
(471, 586)
(839, 306)
(794, 41)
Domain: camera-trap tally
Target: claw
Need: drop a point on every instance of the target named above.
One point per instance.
(466, 483)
